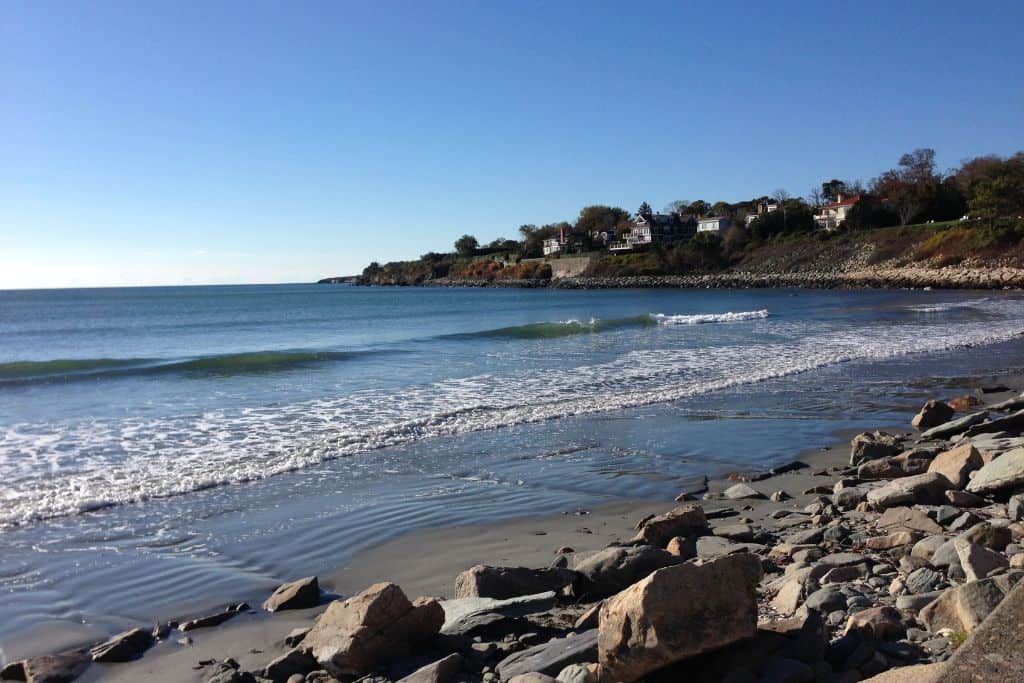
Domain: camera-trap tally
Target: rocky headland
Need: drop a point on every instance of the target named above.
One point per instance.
(896, 560)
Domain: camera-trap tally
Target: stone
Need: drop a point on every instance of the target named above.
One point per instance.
(954, 427)
(906, 518)
(647, 626)
(441, 671)
(735, 532)
(501, 583)
(921, 488)
(957, 464)
(209, 620)
(894, 540)
(684, 548)
(963, 499)
(463, 615)
(577, 673)
(588, 619)
(826, 600)
(1010, 424)
(883, 623)
(295, 595)
(1015, 507)
(926, 547)
(922, 580)
(551, 657)
(892, 467)
(871, 446)
(611, 570)
(807, 537)
(228, 671)
(962, 404)
(1006, 471)
(963, 608)
(742, 491)
(123, 647)
(915, 603)
(932, 414)
(848, 497)
(686, 520)
(988, 535)
(977, 561)
(532, 677)
(787, 599)
(59, 668)
(378, 625)
(295, 636)
(295, 661)
(779, 496)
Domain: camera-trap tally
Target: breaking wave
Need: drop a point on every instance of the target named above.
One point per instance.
(94, 463)
(568, 328)
(72, 369)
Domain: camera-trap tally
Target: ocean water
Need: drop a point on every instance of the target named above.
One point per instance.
(201, 444)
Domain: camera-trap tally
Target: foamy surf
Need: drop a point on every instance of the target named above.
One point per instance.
(53, 470)
(705, 318)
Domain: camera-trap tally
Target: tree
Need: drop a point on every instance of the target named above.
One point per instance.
(831, 189)
(911, 186)
(678, 207)
(781, 196)
(700, 208)
(466, 245)
(645, 211)
(996, 197)
(600, 218)
(814, 197)
(900, 193)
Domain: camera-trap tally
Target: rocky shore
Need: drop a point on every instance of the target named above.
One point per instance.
(892, 561)
(953, 277)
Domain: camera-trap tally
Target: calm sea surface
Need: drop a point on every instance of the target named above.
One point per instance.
(168, 445)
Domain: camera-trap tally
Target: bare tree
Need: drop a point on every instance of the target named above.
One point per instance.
(814, 197)
(781, 196)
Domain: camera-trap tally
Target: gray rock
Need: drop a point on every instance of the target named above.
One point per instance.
(933, 414)
(977, 561)
(551, 657)
(923, 580)
(871, 446)
(123, 647)
(611, 570)
(299, 594)
(295, 661)
(441, 671)
(59, 668)
(501, 583)
(826, 600)
(954, 427)
(463, 615)
(1006, 471)
(915, 603)
(742, 491)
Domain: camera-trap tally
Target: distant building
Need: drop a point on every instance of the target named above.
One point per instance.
(558, 244)
(831, 216)
(715, 224)
(765, 206)
(655, 227)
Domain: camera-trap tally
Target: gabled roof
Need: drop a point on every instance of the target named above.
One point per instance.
(849, 201)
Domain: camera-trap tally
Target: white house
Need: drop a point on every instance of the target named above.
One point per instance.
(715, 224)
(831, 216)
(658, 227)
(552, 246)
(763, 207)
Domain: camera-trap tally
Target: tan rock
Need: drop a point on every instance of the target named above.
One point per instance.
(685, 520)
(378, 625)
(678, 612)
(295, 595)
(921, 488)
(882, 622)
(931, 415)
(502, 583)
(894, 540)
(956, 465)
(441, 671)
(908, 519)
(964, 607)
(978, 561)
(1006, 471)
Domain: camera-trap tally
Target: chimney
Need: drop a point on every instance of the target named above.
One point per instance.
(839, 197)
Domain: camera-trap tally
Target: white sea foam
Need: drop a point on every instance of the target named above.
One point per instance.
(52, 470)
(702, 318)
(984, 303)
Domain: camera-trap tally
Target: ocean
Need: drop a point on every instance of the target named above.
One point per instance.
(162, 447)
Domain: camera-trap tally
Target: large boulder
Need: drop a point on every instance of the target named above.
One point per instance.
(551, 657)
(501, 583)
(687, 521)
(376, 626)
(60, 668)
(464, 615)
(964, 607)
(295, 595)
(871, 446)
(903, 465)
(954, 427)
(1006, 471)
(123, 647)
(924, 488)
(678, 612)
(978, 561)
(611, 570)
(933, 414)
(441, 671)
(957, 464)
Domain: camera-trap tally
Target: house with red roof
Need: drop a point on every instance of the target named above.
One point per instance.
(831, 216)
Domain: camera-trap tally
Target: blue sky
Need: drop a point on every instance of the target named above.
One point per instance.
(195, 142)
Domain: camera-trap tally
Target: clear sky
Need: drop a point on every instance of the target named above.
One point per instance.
(206, 142)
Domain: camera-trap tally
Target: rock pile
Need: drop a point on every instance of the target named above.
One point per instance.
(892, 561)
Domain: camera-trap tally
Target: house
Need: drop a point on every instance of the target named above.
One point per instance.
(558, 244)
(715, 224)
(656, 227)
(765, 206)
(831, 216)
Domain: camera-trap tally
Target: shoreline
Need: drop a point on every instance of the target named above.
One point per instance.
(255, 636)
(949, 277)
